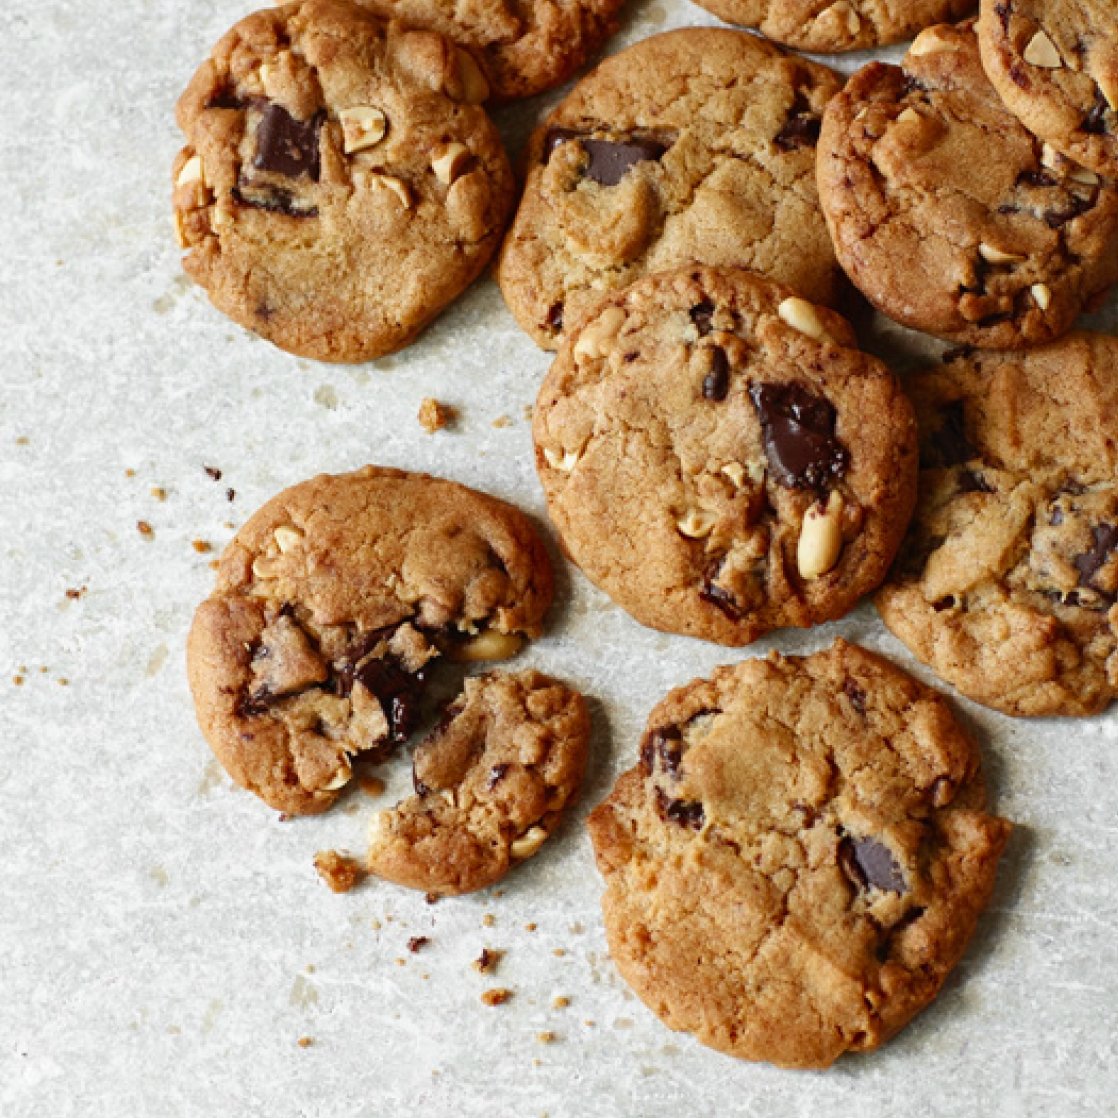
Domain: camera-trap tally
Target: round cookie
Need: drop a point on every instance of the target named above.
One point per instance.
(524, 46)
(828, 26)
(1055, 65)
(950, 216)
(695, 145)
(799, 859)
(331, 604)
(1008, 581)
(491, 781)
(720, 459)
(339, 186)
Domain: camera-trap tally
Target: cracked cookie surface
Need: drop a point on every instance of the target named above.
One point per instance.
(1008, 581)
(799, 859)
(524, 46)
(830, 26)
(695, 145)
(339, 185)
(1055, 65)
(331, 605)
(948, 214)
(491, 781)
(703, 443)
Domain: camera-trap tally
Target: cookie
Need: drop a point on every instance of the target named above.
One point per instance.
(695, 145)
(524, 46)
(491, 781)
(333, 604)
(1008, 582)
(1055, 65)
(720, 459)
(829, 26)
(950, 216)
(799, 859)
(339, 186)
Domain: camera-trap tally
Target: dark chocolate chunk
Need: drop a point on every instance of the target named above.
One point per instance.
(1095, 121)
(942, 605)
(225, 99)
(417, 943)
(272, 199)
(398, 691)
(870, 865)
(286, 146)
(717, 595)
(716, 384)
(1089, 564)
(1037, 178)
(802, 127)
(798, 434)
(702, 315)
(855, 694)
(951, 446)
(608, 160)
(555, 317)
(970, 482)
(213, 472)
(686, 813)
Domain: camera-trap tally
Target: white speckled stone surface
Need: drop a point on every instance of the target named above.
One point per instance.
(164, 939)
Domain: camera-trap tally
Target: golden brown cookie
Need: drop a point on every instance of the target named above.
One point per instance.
(799, 859)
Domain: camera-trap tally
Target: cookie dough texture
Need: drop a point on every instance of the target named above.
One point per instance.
(950, 216)
(491, 781)
(720, 459)
(1008, 582)
(838, 25)
(524, 46)
(695, 145)
(339, 185)
(800, 858)
(331, 604)
(1055, 64)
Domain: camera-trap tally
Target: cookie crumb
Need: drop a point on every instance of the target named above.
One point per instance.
(486, 962)
(22, 440)
(546, 1037)
(434, 415)
(432, 898)
(213, 471)
(371, 785)
(17, 680)
(130, 473)
(560, 1001)
(497, 996)
(502, 421)
(418, 943)
(76, 592)
(214, 564)
(145, 529)
(559, 952)
(201, 546)
(306, 1041)
(531, 927)
(230, 494)
(159, 493)
(489, 920)
(529, 411)
(339, 871)
(63, 681)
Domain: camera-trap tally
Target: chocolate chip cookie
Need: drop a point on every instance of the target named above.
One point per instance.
(828, 26)
(799, 859)
(695, 145)
(1008, 582)
(339, 185)
(491, 781)
(1055, 64)
(948, 214)
(524, 46)
(333, 603)
(720, 459)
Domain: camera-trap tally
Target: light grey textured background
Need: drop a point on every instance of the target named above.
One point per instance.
(164, 940)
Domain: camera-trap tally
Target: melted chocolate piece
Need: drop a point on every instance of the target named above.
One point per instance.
(945, 603)
(225, 99)
(665, 745)
(716, 384)
(685, 813)
(273, 199)
(1095, 121)
(721, 598)
(608, 160)
(398, 691)
(801, 129)
(951, 446)
(555, 317)
(970, 482)
(798, 434)
(286, 146)
(870, 865)
(702, 315)
(1089, 564)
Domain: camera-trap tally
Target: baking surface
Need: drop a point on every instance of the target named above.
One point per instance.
(165, 942)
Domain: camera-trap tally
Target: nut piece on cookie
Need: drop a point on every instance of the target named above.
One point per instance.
(800, 858)
(491, 781)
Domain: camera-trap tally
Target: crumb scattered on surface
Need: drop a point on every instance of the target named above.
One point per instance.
(589, 1024)
(76, 592)
(306, 1041)
(577, 928)
(371, 785)
(531, 927)
(432, 898)
(559, 952)
(502, 421)
(418, 943)
(487, 961)
(546, 1037)
(489, 920)
(284, 817)
(159, 493)
(434, 415)
(375, 924)
(17, 680)
(129, 473)
(22, 440)
(230, 494)
(214, 564)
(310, 968)
(401, 962)
(497, 996)
(560, 1001)
(201, 546)
(63, 681)
(145, 529)
(213, 471)
(529, 411)
(339, 871)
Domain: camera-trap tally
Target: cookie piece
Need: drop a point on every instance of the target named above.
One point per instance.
(1055, 65)
(338, 186)
(695, 145)
(948, 214)
(331, 604)
(829, 26)
(524, 46)
(1008, 581)
(491, 781)
(799, 859)
(753, 468)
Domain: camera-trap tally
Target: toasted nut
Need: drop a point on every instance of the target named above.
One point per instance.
(930, 41)
(695, 524)
(1042, 295)
(1042, 52)
(1108, 86)
(820, 542)
(448, 161)
(363, 126)
(1049, 156)
(909, 116)
(339, 780)
(735, 471)
(475, 88)
(180, 231)
(1081, 174)
(395, 186)
(191, 172)
(489, 645)
(595, 337)
(860, 114)
(995, 255)
(528, 843)
(287, 539)
(264, 567)
(801, 315)
(221, 217)
(564, 460)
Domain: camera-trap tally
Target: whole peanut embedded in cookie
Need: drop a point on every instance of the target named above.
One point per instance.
(800, 857)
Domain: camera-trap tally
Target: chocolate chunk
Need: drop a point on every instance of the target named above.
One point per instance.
(1057, 219)
(686, 813)
(970, 482)
(1095, 121)
(798, 434)
(555, 317)
(942, 605)
(286, 146)
(955, 354)
(1036, 178)
(870, 865)
(951, 446)
(716, 384)
(802, 127)
(608, 160)
(855, 694)
(666, 745)
(721, 598)
(398, 692)
(702, 315)
(1090, 563)
(225, 99)
(273, 199)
